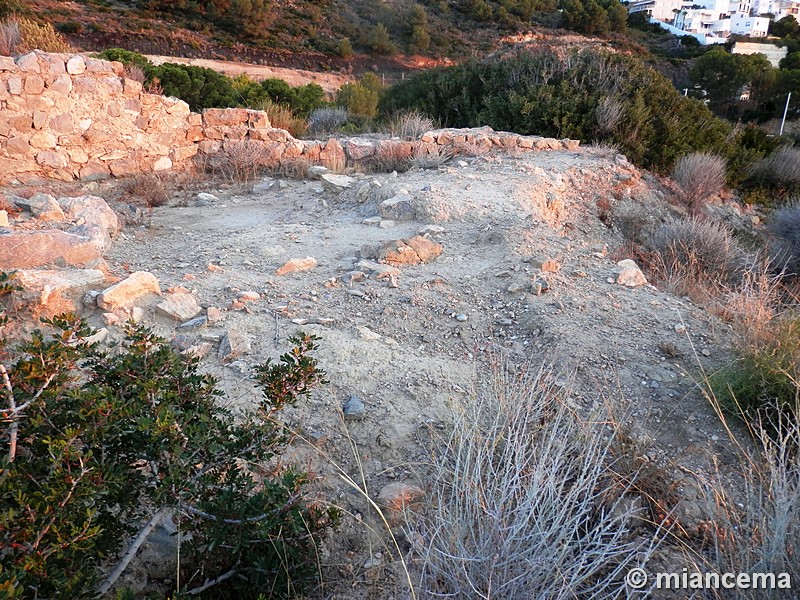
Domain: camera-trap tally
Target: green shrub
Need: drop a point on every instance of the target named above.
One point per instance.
(302, 100)
(199, 87)
(765, 377)
(778, 174)
(361, 98)
(126, 57)
(96, 446)
(540, 91)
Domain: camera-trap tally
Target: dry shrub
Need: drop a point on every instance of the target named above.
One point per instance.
(241, 161)
(388, 157)
(40, 37)
(520, 506)
(784, 243)
(282, 117)
(752, 305)
(135, 72)
(609, 113)
(430, 156)
(756, 522)
(780, 170)
(150, 189)
(293, 168)
(700, 175)
(324, 121)
(470, 147)
(10, 38)
(411, 125)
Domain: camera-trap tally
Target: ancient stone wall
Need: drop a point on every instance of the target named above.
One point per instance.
(71, 117)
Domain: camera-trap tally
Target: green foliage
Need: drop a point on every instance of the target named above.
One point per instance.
(252, 18)
(361, 99)
(563, 95)
(791, 61)
(302, 100)
(765, 377)
(7, 287)
(420, 37)
(379, 40)
(126, 57)
(9, 8)
(723, 74)
(94, 443)
(199, 87)
(594, 17)
(344, 48)
(785, 27)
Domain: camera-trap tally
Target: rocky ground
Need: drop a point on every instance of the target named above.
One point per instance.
(527, 273)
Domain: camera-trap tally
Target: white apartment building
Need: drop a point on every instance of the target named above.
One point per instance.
(778, 8)
(755, 27)
(663, 10)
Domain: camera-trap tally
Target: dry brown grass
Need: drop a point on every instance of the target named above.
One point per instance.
(34, 36)
(10, 38)
(700, 175)
(150, 189)
(241, 161)
(430, 156)
(388, 157)
(282, 117)
(411, 125)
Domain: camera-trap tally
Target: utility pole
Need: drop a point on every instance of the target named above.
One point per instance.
(785, 110)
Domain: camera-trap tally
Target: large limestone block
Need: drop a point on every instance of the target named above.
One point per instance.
(53, 292)
(225, 117)
(31, 249)
(125, 293)
(92, 210)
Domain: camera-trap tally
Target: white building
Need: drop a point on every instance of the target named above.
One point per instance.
(773, 53)
(755, 27)
(663, 10)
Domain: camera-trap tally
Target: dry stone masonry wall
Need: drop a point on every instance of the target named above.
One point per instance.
(71, 117)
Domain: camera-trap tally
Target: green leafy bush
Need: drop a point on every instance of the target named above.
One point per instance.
(302, 100)
(361, 98)
(96, 446)
(199, 87)
(126, 57)
(540, 91)
(765, 377)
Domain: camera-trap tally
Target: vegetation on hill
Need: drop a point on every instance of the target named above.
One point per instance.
(584, 94)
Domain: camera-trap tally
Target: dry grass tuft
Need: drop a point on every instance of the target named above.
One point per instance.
(520, 506)
(34, 36)
(430, 156)
(10, 38)
(696, 258)
(388, 157)
(241, 161)
(700, 175)
(150, 189)
(411, 125)
(325, 121)
(282, 117)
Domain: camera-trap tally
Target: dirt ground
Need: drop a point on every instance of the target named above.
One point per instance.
(526, 276)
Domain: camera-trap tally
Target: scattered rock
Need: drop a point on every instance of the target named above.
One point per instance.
(98, 337)
(92, 210)
(3, 218)
(205, 199)
(248, 296)
(366, 333)
(181, 307)
(397, 497)
(551, 266)
(128, 291)
(194, 323)
(398, 208)
(51, 292)
(317, 171)
(413, 251)
(680, 328)
(630, 275)
(272, 251)
(539, 286)
(354, 409)
(43, 207)
(214, 315)
(297, 265)
(430, 230)
(234, 344)
(380, 271)
(336, 183)
(462, 317)
(198, 351)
